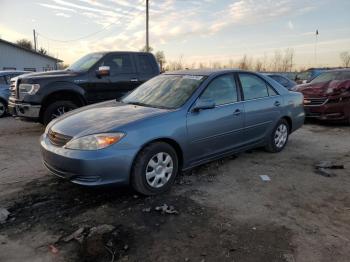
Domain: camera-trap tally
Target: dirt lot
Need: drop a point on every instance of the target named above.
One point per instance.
(225, 211)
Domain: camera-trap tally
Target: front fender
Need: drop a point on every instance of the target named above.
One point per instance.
(54, 87)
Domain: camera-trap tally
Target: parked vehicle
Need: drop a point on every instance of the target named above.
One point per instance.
(94, 78)
(5, 77)
(307, 75)
(173, 122)
(284, 81)
(327, 97)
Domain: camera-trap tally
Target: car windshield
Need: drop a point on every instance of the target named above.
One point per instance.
(325, 77)
(165, 91)
(85, 63)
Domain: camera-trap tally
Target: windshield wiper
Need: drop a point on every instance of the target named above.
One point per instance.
(138, 104)
(146, 105)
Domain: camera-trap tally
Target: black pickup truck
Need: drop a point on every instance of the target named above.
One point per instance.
(94, 78)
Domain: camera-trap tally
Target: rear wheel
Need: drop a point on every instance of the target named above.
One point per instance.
(279, 137)
(3, 108)
(154, 169)
(57, 109)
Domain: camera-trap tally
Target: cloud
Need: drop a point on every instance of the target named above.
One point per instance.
(57, 7)
(290, 25)
(63, 15)
(122, 22)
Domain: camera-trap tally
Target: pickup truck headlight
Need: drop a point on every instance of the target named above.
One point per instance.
(30, 89)
(94, 142)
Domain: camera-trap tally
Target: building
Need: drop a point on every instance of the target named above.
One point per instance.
(14, 57)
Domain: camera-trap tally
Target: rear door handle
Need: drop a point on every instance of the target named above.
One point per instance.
(134, 80)
(277, 103)
(237, 112)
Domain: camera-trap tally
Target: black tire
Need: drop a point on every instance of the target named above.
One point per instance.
(272, 146)
(138, 173)
(53, 110)
(3, 108)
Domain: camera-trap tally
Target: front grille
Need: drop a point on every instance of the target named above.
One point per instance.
(58, 139)
(13, 88)
(315, 101)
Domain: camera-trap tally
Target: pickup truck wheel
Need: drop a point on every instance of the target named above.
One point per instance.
(279, 137)
(3, 108)
(154, 169)
(57, 109)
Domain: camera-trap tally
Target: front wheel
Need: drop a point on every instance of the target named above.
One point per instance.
(3, 108)
(57, 109)
(279, 137)
(155, 169)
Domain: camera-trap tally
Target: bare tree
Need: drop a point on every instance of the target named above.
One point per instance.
(276, 62)
(42, 51)
(345, 58)
(245, 63)
(160, 57)
(25, 43)
(287, 61)
(258, 65)
(144, 49)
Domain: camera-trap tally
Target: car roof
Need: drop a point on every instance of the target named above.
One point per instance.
(339, 70)
(204, 72)
(273, 74)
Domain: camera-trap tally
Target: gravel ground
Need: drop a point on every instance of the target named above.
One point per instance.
(223, 210)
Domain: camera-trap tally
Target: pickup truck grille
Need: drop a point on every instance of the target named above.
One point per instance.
(13, 89)
(315, 101)
(58, 139)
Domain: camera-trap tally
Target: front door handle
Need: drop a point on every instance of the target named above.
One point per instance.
(277, 103)
(237, 112)
(134, 80)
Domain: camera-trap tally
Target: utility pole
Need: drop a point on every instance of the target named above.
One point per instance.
(34, 39)
(147, 27)
(316, 36)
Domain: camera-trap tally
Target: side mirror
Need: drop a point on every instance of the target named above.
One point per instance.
(203, 104)
(103, 71)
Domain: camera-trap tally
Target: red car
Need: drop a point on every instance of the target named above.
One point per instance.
(327, 97)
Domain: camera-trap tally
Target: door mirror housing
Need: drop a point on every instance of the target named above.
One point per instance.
(103, 71)
(203, 104)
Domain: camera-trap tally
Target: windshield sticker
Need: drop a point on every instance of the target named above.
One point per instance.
(192, 77)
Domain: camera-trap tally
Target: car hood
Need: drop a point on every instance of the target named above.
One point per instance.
(47, 75)
(102, 118)
(323, 89)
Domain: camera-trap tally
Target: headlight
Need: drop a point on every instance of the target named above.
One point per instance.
(30, 89)
(94, 142)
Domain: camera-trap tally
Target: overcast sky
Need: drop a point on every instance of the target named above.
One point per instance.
(200, 31)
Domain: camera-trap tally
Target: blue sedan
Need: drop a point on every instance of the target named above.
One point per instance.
(173, 122)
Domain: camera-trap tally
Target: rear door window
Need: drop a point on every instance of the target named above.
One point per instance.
(254, 87)
(144, 64)
(119, 64)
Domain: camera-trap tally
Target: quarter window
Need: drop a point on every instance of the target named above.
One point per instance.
(222, 90)
(254, 87)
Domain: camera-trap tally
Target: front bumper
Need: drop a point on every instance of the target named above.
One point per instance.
(24, 110)
(330, 111)
(88, 168)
